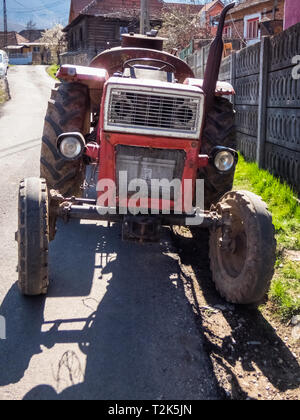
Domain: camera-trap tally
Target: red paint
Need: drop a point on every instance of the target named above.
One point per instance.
(92, 150)
(109, 140)
(203, 161)
(94, 78)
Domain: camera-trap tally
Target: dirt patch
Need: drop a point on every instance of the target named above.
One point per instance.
(254, 355)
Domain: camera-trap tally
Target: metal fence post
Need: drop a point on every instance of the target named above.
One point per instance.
(233, 73)
(262, 100)
(202, 62)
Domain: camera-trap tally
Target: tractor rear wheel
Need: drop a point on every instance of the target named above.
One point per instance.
(33, 237)
(68, 111)
(242, 262)
(219, 130)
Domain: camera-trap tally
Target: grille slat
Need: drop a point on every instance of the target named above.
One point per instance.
(160, 112)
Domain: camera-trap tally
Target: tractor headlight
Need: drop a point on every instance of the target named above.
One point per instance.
(71, 145)
(224, 159)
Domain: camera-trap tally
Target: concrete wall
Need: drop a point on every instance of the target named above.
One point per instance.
(266, 78)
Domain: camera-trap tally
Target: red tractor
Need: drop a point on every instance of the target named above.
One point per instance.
(138, 115)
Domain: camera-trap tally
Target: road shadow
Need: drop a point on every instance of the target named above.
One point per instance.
(24, 317)
(248, 327)
(140, 342)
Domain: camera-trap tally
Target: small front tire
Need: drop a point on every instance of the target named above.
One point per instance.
(33, 237)
(242, 270)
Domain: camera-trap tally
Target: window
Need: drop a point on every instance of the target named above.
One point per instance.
(252, 28)
(228, 32)
(213, 20)
(123, 30)
(36, 49)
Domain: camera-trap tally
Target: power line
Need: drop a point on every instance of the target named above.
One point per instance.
(5, 23)
(40, 9)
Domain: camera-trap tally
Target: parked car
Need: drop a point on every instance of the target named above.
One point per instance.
(3, 63)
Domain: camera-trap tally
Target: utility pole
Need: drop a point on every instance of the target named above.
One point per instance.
(144, 19)
(5, 23)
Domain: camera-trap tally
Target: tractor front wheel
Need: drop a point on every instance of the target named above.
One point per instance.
(242, 257)
(33, 237)
(68, 111)
(219, 130)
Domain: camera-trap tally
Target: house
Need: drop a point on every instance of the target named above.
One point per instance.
(97, 25)
(29, 53)
(209, 16)
(13, 38)
(32, 34)
(21, 51)
(251, 19)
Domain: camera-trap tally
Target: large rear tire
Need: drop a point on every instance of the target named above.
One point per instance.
(219, 130)
(33, 237)
(242, 270)
(68, 111)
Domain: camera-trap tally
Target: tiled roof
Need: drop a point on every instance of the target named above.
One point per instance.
(13, 38)
(248, 3)
(209, 5)
(122, 8)
(76, 7)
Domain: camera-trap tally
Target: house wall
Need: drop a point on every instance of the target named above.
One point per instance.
(237, 19)
(213, 12)
(291, 13)
(93, 35)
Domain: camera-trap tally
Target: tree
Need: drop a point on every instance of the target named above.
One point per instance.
(55, 39)
(30, 26)
(181, 24)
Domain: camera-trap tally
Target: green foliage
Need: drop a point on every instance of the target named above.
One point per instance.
(285, 288)
(52, 70)
(281, 200)
(285, 209)
(3, 93)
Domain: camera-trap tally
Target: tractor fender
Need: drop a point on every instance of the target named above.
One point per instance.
(222, 88)
(93, 78)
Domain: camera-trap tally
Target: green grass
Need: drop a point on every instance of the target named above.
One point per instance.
(3, 95)
(285, 209)
(52, 70)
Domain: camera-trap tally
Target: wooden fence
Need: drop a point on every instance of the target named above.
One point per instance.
(267, 101)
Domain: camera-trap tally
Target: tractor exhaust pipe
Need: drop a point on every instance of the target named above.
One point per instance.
(214, 61)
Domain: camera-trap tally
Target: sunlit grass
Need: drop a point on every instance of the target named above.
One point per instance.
(285, 209)
(3, 94)
(52, 70)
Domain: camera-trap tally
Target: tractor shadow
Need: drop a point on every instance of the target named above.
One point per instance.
(248, 326)
(140, 341)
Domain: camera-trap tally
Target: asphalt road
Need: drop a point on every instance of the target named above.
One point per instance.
(116, 323)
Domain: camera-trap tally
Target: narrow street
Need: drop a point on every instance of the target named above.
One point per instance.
(117, 323)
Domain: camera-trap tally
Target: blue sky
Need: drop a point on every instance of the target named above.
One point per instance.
(45, 13)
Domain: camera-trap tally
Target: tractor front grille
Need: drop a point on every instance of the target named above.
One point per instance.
(149, 164)
(168, 114)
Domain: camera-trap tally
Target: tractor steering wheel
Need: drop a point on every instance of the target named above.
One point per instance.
(161, 65)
